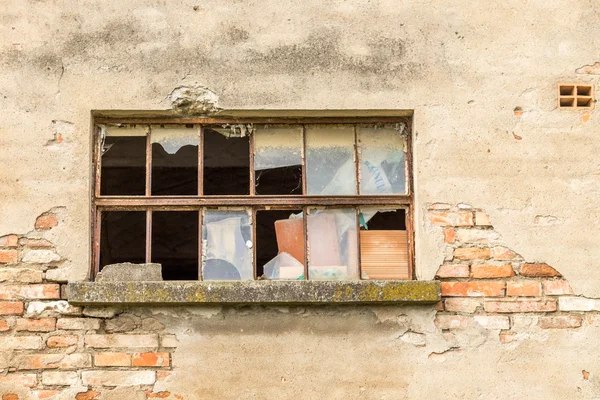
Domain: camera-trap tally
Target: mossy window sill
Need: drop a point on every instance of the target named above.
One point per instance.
(253, 292)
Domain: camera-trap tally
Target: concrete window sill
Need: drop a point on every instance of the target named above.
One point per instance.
(254, 292)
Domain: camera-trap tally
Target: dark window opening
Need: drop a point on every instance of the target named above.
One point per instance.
(123, 166)
(284, 180)
(226, 163)
(175, 244)
(123, 237)
(174, 174)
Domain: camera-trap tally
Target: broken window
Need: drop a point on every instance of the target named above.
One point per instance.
(214, 199)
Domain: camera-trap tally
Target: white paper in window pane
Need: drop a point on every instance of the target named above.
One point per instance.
(382, 161)
(227, 245)
(332, 243)
(173, 138)
(330, 167)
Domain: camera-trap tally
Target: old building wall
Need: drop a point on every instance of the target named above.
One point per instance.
(488, 139)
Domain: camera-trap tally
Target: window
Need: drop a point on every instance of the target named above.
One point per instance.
(248, 199)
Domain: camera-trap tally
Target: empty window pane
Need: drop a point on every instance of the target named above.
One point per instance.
(226, 161)
(332, 244)
(123, 161)
(174, 160)
(123, 237)
(278, 160)
(175, 243)
(383, 244)
(227, 244)
(382, 160)
(330, 167)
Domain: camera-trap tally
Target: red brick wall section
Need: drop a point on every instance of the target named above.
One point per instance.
(49, 346)
(484, 283)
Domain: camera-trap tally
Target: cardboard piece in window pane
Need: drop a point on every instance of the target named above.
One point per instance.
(384, 254)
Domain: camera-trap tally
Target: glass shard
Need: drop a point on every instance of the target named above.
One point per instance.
(174, 160)
(332, 244)
(330, 167)
(382, 160)
(227, 245)
(278, 160)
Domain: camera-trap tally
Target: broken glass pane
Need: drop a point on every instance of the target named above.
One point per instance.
(226, 161)
(278, 159)
(330, 168)
(123, 160)
(382, 160)
(332, 244)
(227, 245)
(280, 244)
(174, 160)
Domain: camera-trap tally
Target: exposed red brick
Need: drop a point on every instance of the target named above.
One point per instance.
(557, 288)
(459, 304)
(37, 291)
(493, 321)
(35, 242)
(162, 375)
(507, 337)
(62, 341)
(443, 218)
(36, 325)
(472, 253)
(537, 270)
(51, 361)
(46, 222)
(9, 241)
(482, 219)
(46, 394)
(453, 271)
(444, 321)
(465, 218)
(449, 235)
(524, 288)
(26, 380)
(11, 308)
(560, 322)
(8, 256)
(10, 396)
(112, 359)
(464, 289)
(89, 395)
(121, 340)
(483, 271)
(439, 306)
(4, 326)
(586, 374)
(157, 395)
(518, 305)
(504, 254)
(151, 359)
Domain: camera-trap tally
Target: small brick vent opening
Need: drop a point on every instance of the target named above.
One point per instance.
(575, 96)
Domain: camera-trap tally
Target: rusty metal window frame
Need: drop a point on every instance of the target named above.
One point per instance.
(148, 203)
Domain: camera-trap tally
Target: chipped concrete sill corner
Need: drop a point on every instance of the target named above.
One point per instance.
(253, 292)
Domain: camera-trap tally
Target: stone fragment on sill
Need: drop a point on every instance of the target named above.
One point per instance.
(254, 292)
(130, 272)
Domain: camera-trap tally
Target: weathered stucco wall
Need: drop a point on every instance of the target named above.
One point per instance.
(463, 67)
